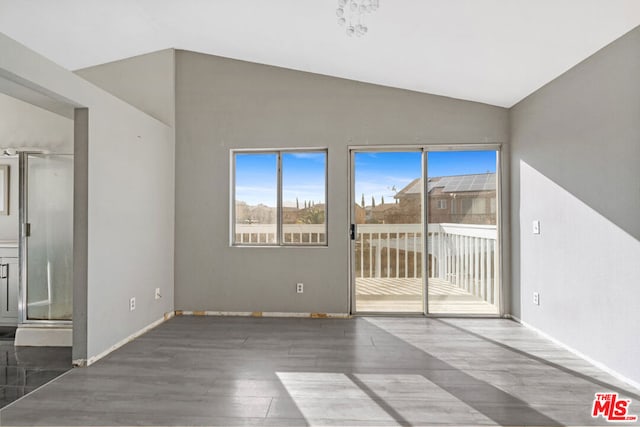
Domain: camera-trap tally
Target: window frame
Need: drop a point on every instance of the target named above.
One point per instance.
(279, 240)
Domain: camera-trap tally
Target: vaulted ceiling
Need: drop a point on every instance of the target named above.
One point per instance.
(491, 51)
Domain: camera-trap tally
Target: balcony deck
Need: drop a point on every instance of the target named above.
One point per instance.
(400, 295)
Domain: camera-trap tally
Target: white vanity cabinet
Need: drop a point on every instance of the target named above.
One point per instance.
(8, 283)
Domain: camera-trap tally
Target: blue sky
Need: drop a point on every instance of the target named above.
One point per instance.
(256, 178)
(376, 173)
(303, 176)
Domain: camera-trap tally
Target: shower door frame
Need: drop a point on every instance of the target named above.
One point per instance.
(23, 197)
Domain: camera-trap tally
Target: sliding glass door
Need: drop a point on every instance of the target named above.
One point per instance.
(425, 245)
(387, 232)
(463, 234)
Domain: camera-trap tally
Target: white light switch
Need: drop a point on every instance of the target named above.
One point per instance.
(536, 227)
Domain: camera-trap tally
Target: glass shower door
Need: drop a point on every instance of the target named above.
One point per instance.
(49, 241)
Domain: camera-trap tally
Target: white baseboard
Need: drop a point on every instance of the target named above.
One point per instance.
(94, 359)
(597, 364)
(262, 314)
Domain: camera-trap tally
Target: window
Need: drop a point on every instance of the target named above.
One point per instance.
(479, 206)
(279, 197)
(442, 204)
(473, 206)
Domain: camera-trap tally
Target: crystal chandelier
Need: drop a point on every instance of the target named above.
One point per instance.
(351, 14)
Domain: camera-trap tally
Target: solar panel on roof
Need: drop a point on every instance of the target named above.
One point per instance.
(457, 183)
(479, 182)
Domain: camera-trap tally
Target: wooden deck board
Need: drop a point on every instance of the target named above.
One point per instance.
(404, 295)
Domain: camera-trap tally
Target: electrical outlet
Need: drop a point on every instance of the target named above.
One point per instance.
(536, 227)
(132, 304)
(157, 294)
(300, 288)
(536, 298)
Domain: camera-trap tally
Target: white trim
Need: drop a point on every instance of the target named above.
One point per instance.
(423, 146)
(279, 233)
(262, 314)
(597, 364)
(266, 150)
(94, 359)
(33, 335)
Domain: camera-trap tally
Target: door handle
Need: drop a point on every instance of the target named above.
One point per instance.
(4, 274)
(352, 232)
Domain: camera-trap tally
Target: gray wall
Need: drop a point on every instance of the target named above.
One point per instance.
(130, 203)
(223, 104)
(575, 167)
(25, 125)
(145, 81)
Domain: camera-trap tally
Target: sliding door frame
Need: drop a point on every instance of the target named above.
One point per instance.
(425, 149)
(352, 220)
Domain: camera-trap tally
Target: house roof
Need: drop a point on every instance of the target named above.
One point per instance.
(452, 184)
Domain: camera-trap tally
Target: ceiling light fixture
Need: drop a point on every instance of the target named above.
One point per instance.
(351, 14)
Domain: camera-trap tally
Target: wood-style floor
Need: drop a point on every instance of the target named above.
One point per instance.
(404, 295)
(341, 372)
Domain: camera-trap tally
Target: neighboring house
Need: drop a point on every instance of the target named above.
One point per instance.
(459, 199)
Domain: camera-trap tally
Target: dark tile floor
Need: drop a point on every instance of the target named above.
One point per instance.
(23, 369)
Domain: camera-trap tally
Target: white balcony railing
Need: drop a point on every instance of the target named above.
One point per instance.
(462, 254)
